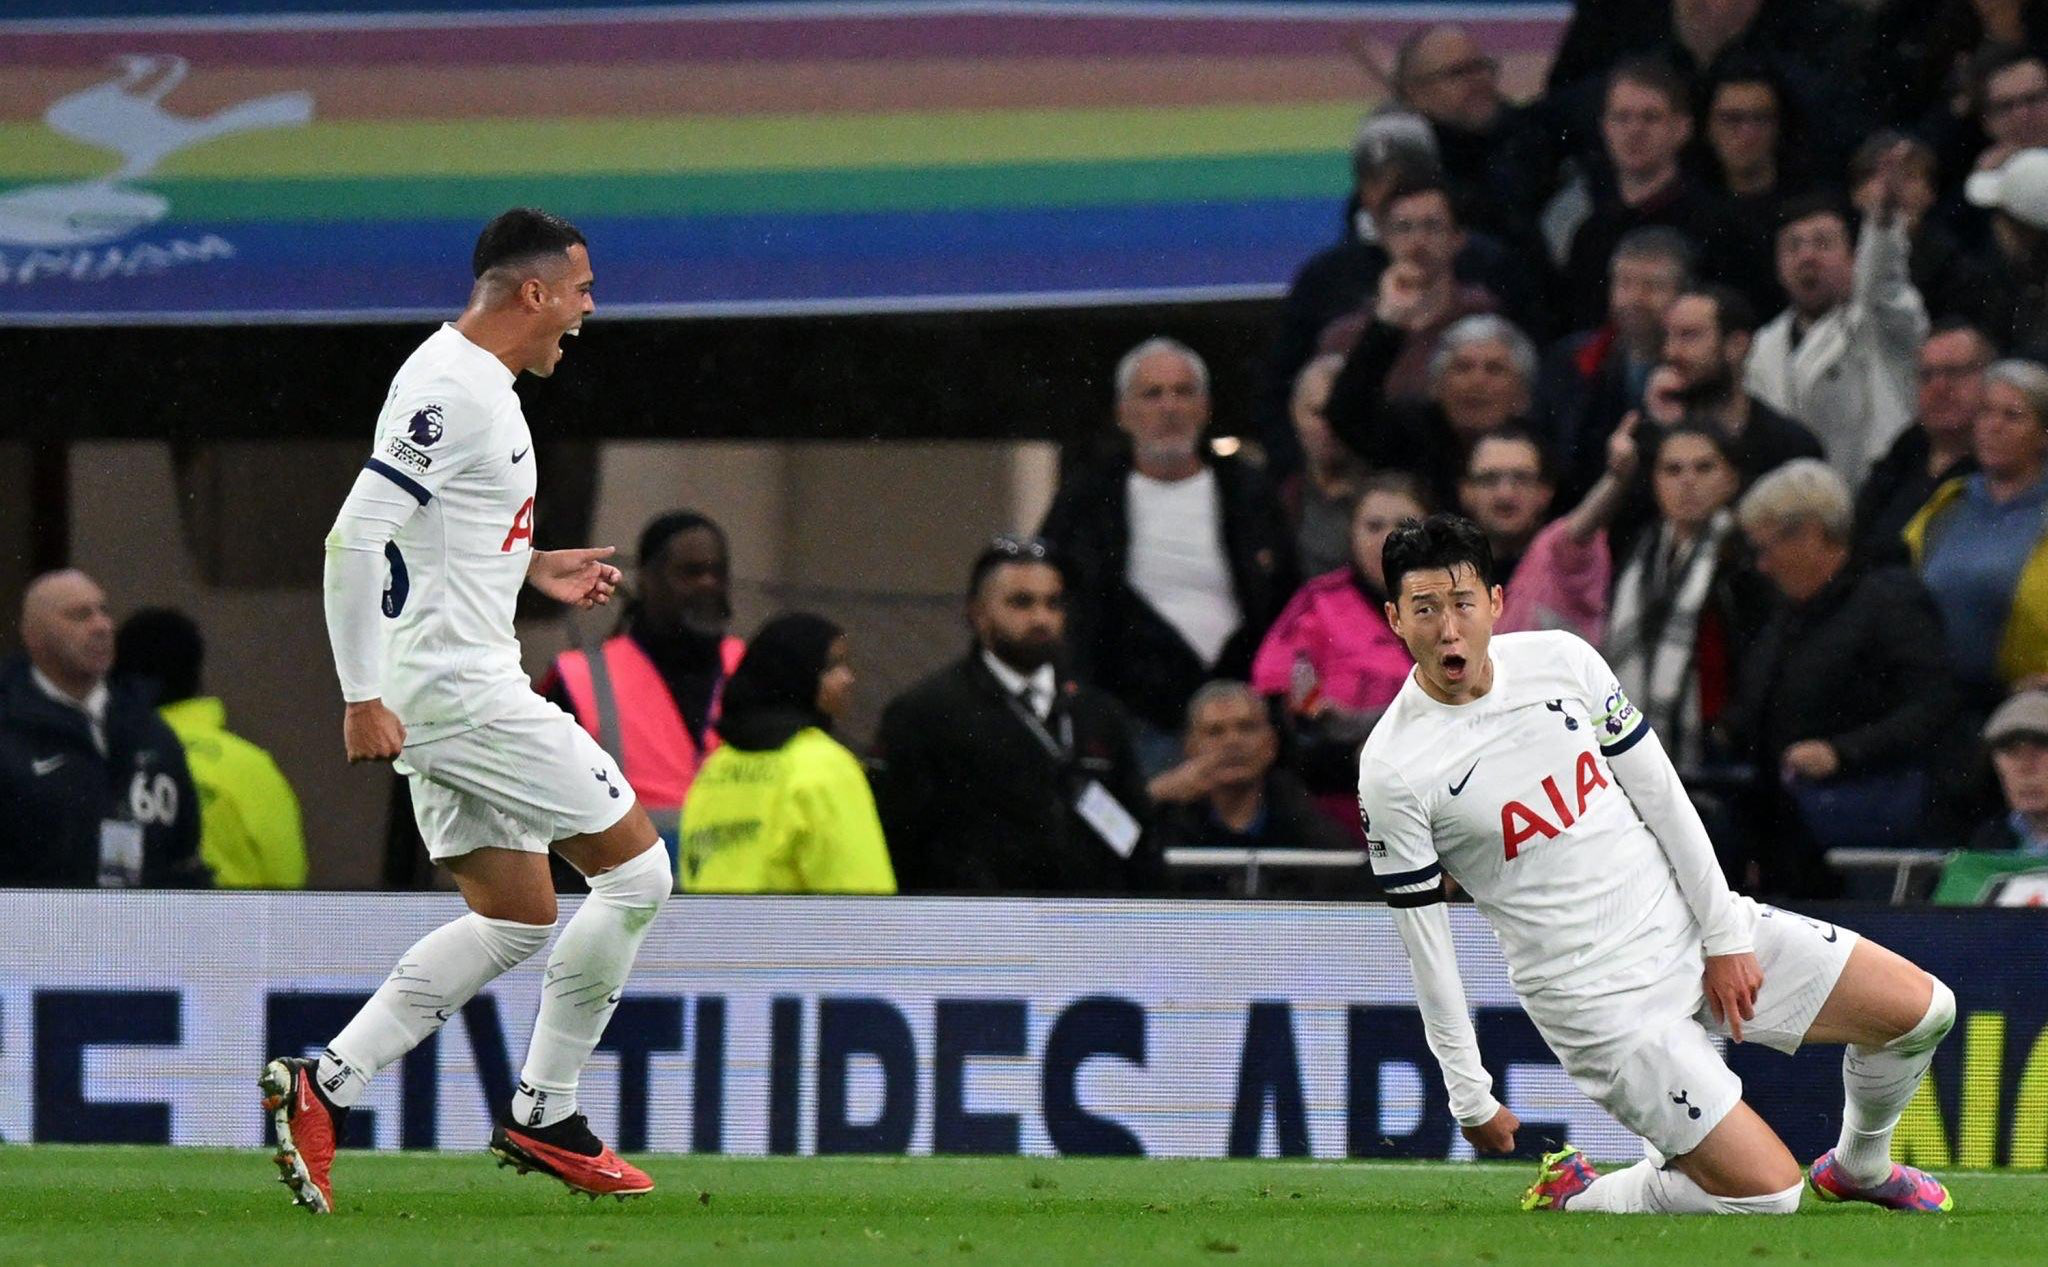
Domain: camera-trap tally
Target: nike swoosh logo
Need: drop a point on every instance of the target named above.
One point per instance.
(522, 453)
(611, 1174)
(1833, 933)
(47, 765)
(1459, 786)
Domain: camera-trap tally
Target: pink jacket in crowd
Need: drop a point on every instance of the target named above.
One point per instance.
(1342, 633)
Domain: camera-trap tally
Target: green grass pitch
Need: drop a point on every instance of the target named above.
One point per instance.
(65, 1206)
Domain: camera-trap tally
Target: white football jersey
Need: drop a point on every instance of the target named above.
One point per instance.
(452, 435)
(1511, 796)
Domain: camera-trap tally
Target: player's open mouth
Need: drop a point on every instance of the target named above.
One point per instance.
(1454, 666)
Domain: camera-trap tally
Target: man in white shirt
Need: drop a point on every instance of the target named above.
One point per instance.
(424, 565)
(1518, 767)
(1177, 560)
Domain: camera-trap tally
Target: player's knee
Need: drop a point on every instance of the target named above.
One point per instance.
(1784, 1201)
(511, 942)
(642, 883)
(1933, 1027)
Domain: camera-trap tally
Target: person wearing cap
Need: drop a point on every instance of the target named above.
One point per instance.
(1843, 693)
(2011, 848)
(1393, 147)
(2016, 194)
(1002, 774)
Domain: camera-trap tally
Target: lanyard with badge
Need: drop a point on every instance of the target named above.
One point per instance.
(1096, 805)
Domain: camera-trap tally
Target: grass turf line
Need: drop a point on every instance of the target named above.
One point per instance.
(163, 1206)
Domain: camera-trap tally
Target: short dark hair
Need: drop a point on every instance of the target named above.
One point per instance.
(1996, 59)
(1954, 324)
(163, 648)
(1864, 162)
(654, 538)
(1659, 242)
(1656, 74)
(1698, 429)
(1512, 433)
(1417, 185)
(1733, 313)
(521, 236)
(1439, 543)
(1819, 203)
(1006, 549)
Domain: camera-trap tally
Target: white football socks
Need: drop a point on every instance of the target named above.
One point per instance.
(441, 972)
(1880, 1082)
(1645, 1189)
(586, 973)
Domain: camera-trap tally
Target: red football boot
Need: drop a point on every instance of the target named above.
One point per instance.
(568, 1151)
(308, 1128)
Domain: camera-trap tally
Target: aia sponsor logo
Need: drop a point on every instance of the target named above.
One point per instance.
(1520, 821)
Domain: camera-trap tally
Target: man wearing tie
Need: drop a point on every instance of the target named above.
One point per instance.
(998, 774)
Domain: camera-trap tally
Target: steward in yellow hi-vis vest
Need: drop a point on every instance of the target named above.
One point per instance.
(781, 806)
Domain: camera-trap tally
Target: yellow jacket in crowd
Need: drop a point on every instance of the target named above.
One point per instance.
(794, 819)
(2023, 650)
(249, 831)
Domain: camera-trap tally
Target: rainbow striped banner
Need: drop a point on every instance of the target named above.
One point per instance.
(271, 162)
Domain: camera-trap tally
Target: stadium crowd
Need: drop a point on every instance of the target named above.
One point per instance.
(1731, 342)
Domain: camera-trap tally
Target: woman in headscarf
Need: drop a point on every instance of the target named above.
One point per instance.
(781, 806)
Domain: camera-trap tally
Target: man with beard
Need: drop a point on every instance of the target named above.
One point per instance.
(1707, 335)
(999, 774)
(651, 697)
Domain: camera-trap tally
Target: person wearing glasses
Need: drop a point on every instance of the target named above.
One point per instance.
(1177, 558)
(1507, 489)
(1002, 774)
(1933, 451)
(1485, 143)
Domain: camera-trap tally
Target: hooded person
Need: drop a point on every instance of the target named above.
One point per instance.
(781, 806)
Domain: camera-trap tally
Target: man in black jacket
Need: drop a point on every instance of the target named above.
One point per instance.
(998, 775)
(1176, 559)
(93, 784)
(1935, 449)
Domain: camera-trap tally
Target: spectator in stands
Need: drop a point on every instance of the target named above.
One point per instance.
(1593, 379)
(1420, 229)
(1752, 133)
(1485, 144)
(1845, 691)
(1952, 364)
(651, 694)
(93, 785)
(1708, 333)
(1319, 497)
(781, 807)
(1507, 489)
(1177, 559)
(2017, 736)
(1686, 601)
(1645, 124)
(2006, 861)
(1563, 579)
(2012, 102)
(1952, 281)
(1981, 547)
(1841, 358)
(1479, 381)
(1393, 148)
(1921, 52)
(250, 836)
(1000, 775)
(1331, 660)
(1250, 801)
(2017, 196)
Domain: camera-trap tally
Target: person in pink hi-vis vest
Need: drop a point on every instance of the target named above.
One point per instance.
(651, 697)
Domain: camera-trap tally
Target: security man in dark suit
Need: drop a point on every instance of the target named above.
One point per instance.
(1001, 775)
(93, 785)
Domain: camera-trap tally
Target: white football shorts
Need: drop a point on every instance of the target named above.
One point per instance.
(523, 781)
(1662, 1075)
